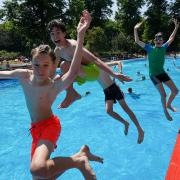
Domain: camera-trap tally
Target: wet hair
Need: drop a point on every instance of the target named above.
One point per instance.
(159, 34)
(56, 23)
(138, 73)
(88, 93)
(44, 49)
(130, 90)
(143, 77)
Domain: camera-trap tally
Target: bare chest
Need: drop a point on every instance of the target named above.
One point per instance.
(67, 53)
(36, 95)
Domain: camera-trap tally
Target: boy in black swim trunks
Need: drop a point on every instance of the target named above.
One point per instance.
(112, 94)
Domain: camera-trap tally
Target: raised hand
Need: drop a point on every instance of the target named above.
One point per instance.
(84, 22)
(176, 23)
(138, 25)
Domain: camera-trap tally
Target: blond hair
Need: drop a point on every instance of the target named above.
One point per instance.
(44, 49)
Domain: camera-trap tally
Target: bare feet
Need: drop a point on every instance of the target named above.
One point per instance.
(171, 108)
(86, 169)
(82, 159)
(83, 156)
(69, 99)
(140, 136)
(168, 116)
(126, 128)
(85, 151)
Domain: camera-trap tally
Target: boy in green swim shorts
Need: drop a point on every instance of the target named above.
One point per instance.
(156, 58)
(64, 51)
(92, 68)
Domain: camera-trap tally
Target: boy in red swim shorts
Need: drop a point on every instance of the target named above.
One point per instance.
(40, 92)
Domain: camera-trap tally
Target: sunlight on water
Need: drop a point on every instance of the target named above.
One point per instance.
(86, 122)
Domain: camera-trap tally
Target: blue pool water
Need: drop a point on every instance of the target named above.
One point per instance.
(86, 122)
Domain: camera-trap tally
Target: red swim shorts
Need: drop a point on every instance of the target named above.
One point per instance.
(47, 129)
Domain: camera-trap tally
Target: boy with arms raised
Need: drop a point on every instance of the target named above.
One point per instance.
(156, 59)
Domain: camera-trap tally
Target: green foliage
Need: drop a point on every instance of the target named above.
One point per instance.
(24, 23)
(7, 26)
(97, 40)
(111, 29)
(174, 12)
(122, 43)
(100, 10)
(156, 18)
(4, 55)
(73, 12)
(10, 39)
(30, 17)
(128, 15)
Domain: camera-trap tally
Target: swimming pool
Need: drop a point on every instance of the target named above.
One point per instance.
(86, 122)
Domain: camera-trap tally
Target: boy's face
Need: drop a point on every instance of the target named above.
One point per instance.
(158, 41)
(42, 66)
(57, 36)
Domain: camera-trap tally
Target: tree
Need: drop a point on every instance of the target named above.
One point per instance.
(30, 17)
(111, 30)
(9, 38)
(100, 10)
(128, 15)
(156, 18)
(175, 9)
(75, 8)
(174, 12)
(96, 40)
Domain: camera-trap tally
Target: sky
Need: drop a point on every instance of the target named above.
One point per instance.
(114, 8)
(1, 2)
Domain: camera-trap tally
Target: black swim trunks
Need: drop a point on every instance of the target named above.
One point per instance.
(160, 78)
(113, 92)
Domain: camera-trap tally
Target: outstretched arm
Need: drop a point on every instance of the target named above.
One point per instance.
(120, 66)
(69, 77)
(136, 36)
(90, 56)
(15, 74)
(120, 76)
(171, 38)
